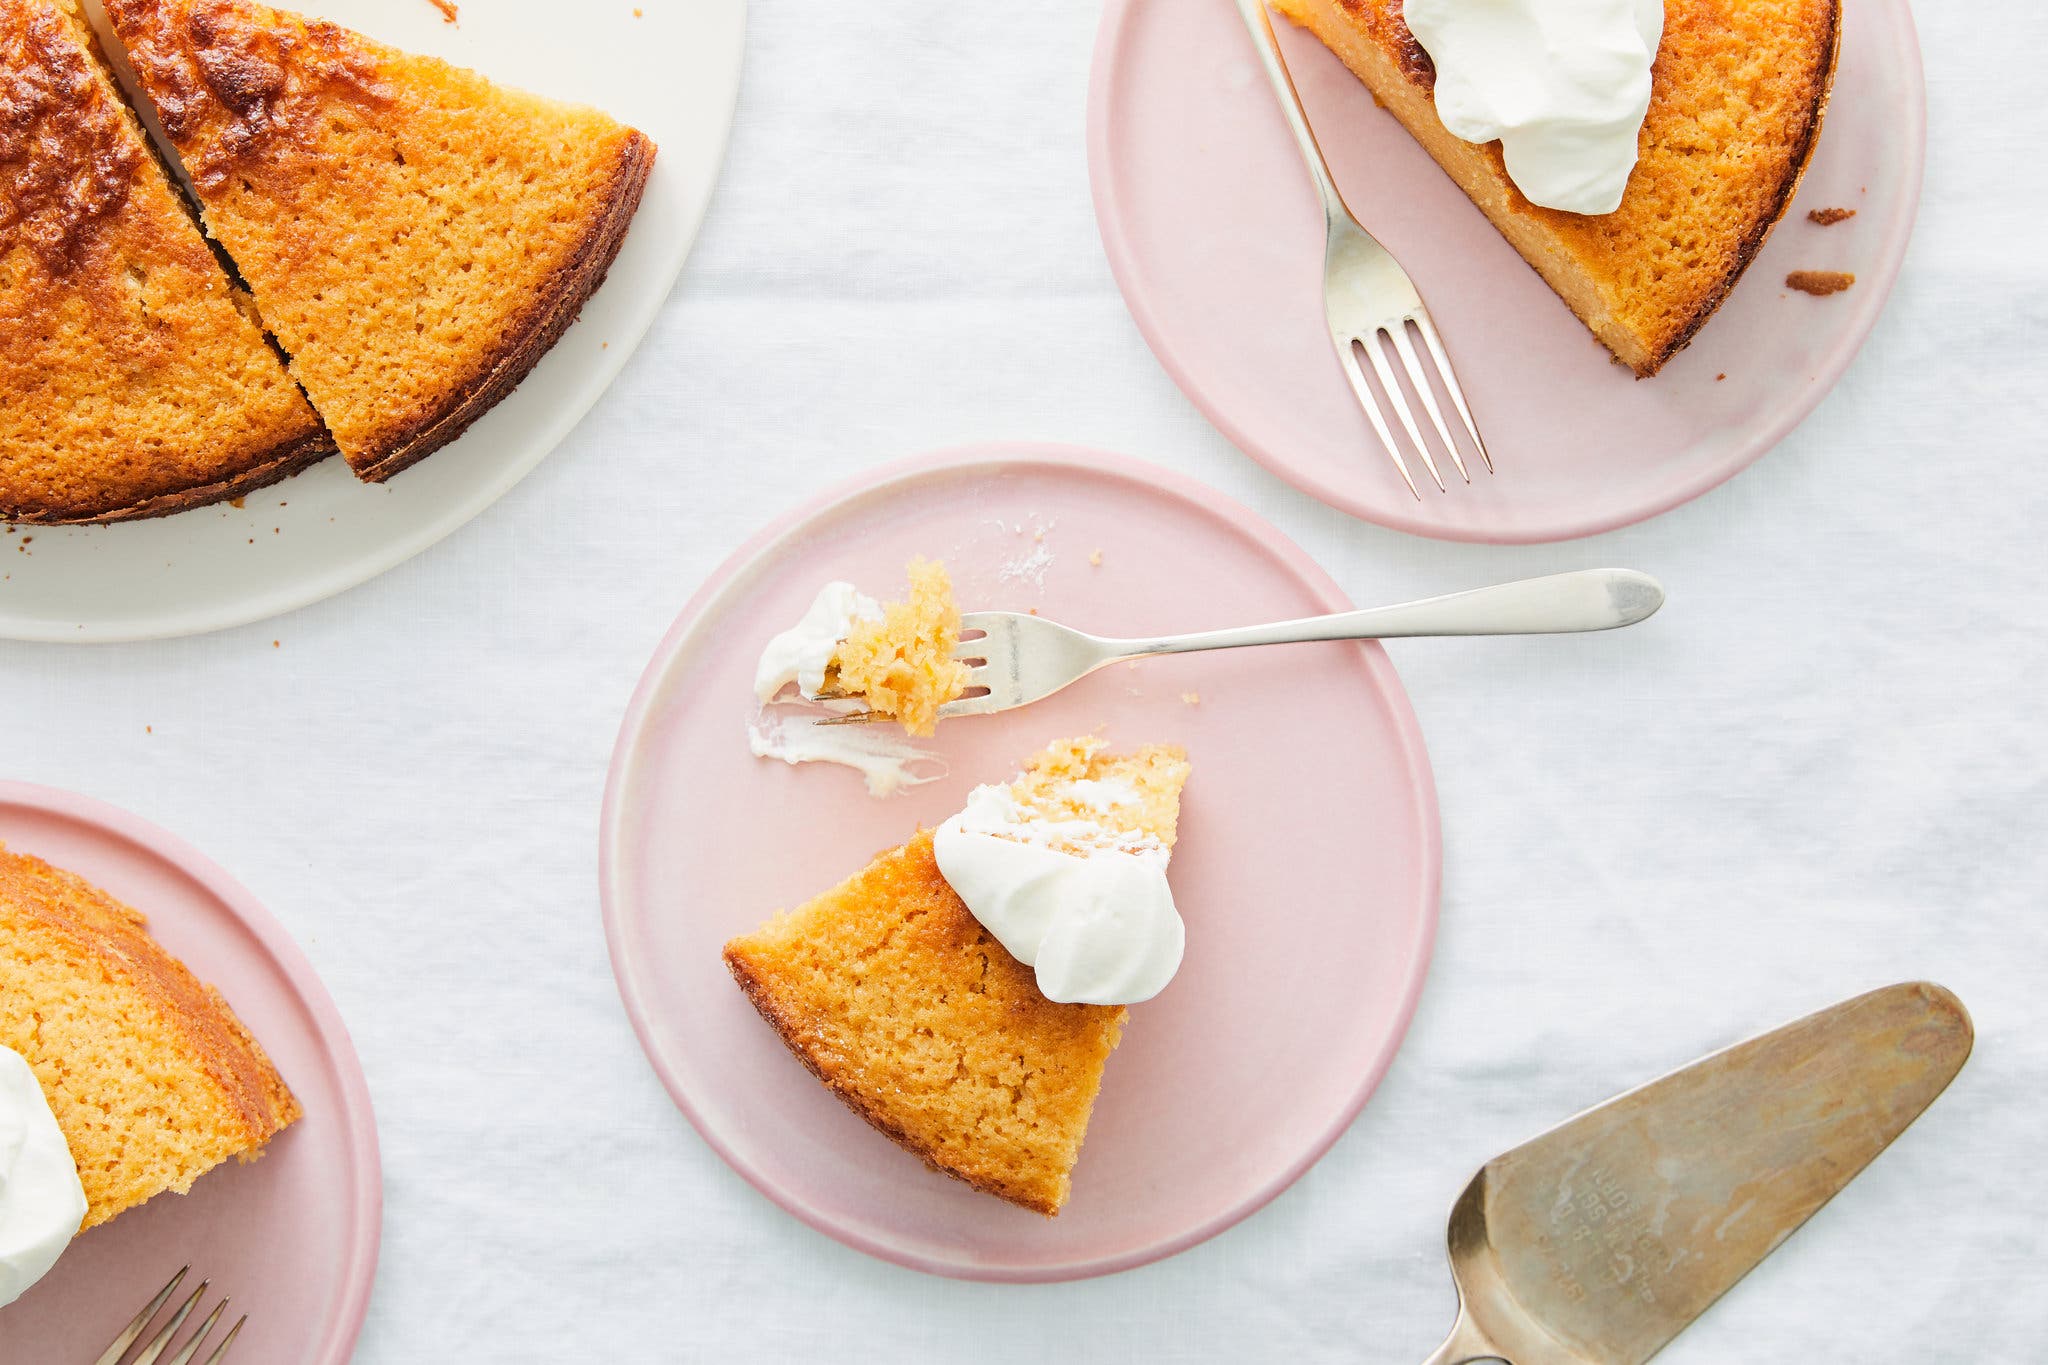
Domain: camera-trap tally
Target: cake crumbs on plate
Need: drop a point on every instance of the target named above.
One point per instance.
(1027, 565)
(1191, 698)
(239, 503)
(1829, 217)
(1095, 558)
(1819, 283)
(449, 10)
(1721, 376)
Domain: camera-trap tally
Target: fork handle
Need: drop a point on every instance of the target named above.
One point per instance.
(1261, 26)
(1588, 599)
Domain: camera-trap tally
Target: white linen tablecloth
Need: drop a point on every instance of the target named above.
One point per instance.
(1819, 770)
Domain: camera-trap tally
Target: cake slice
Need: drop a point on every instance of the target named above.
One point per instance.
(133, 381)
(1738, 92)
(897, 998)
(152, 1078)
(416, 236)
(900, 662)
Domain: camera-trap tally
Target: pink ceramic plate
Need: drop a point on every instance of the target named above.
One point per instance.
(1307, 864)
(1216, 240)
(292, 1238)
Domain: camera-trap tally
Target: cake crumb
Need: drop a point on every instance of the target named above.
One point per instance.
(276, 644)
(1028, 565)
(1829, 217)
(149, 729)
(449, 9)
(1095, 558)
(1191, 698)
(238, 503)
(1721, 376)
(1820, 283)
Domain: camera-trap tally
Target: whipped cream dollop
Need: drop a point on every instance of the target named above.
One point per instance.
(41, 1202)
(1563, 85)
(1098, 927)
(800, 654)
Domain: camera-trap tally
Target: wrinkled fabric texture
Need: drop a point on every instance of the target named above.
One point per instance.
(1819, 770)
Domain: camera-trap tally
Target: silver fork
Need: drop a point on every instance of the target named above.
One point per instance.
(156, 1345)
(1366, 294)
(1019, 659)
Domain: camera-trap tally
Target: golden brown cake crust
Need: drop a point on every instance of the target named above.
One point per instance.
(66, 918)
(66, 156)
(281, 463)
(1653, 294)
(483, 218)
(130, 383)
(558, 302)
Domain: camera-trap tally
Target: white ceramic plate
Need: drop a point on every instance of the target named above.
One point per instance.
(669, 67)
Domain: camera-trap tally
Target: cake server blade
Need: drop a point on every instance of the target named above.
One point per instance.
(1598, 1242)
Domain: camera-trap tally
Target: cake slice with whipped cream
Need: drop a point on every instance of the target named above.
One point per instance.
(963, 992)
(1635, 152)
(148, 1075)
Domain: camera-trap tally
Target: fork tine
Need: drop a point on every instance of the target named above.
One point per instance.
(155, 1347)
(191, 1348)
(1420, 379)
(1393, 388)
(1372, 411)
(969, 706)
(134, 1329)
(220, 1352)
(1443, 367)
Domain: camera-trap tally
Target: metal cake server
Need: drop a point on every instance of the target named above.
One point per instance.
(1600, 1241)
